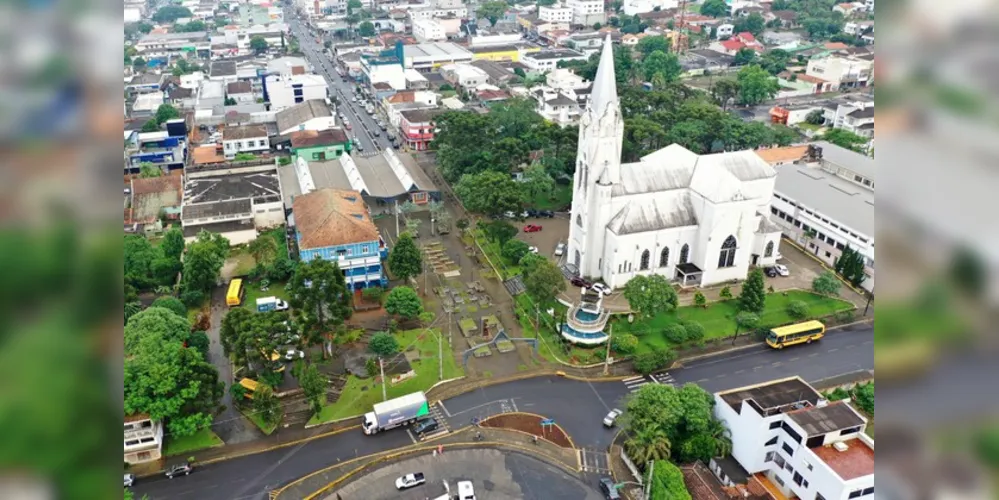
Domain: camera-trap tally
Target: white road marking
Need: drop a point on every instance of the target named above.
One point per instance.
(630, 379)
(444, 408)
(411, 436)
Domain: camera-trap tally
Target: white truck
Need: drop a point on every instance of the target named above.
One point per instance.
(465, 490)
(271, 303)
(410, 480)
(395, 412)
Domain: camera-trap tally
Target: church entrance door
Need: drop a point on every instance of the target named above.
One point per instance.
(576, 259)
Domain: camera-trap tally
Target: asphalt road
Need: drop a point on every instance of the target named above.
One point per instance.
(577, 406)
(363, 125)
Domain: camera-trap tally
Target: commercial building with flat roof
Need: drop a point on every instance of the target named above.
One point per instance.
(426, 56)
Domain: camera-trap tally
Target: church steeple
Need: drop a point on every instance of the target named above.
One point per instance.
(605, 84)
(601, 128)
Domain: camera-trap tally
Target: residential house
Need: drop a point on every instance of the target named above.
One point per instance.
(858, 28)
(788, 18)
(825, 202)
(464, 76)
(169, 152)
(237, 203)
(222, 71)
(144, 83)
(494, 36)
(792, 114)
(563, 97)
(784, 40)
(154, 196)
(240, 92)
(250, 139)
(852, 113)
(841, 72)
(323, 145)
(145, 105)
(796, 442)
(334, 224)
(498, 74)
(848, 9)
(162, 46)
(285, 91)
(143, 439)
(547, 60)
(409, 100)
(780, 156)
(312, 114)
(724, 30)
(417, 128)
(736, 43)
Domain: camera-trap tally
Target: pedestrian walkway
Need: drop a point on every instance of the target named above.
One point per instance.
(663, 378)
(635, 383)
(594, 461)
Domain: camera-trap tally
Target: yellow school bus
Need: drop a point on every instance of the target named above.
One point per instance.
(251, 387)
(235, 295)
(799, 333)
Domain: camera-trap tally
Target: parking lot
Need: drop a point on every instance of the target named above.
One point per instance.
(495, 475)
(552, 232)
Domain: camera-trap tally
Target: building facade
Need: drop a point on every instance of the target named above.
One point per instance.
(558, 13)
(285, 91)
(417, 129)
(547, 60)
(587, 12)
(143, 439)
(696, 219)
(245, 139)
(428, 30)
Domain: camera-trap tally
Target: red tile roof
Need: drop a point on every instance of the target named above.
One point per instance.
(312, 138)
(732, 44)
(746, 36)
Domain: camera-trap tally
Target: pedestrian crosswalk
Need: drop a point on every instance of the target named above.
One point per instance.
(635, 383)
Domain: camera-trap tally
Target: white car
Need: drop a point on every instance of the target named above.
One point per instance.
(129, 480)
(782, 270)
(410, 480)
(465, 490)
(293, 354)
(533, 249)
(611, 417)
(560, 249)
(281, 305)
(601, 288)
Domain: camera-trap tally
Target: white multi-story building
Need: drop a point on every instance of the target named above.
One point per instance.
(143, 439)
(245, 139)
(285, 91)
(853, 114)
(632, 7)
(563, 97)
(724, 30)
(587, 12)
(170, 44)
(132, 15)
(547, 60)
(428, 30)
(802, 444)
(842, 72)
(698, 219)
(825, 202)
(464, 75)
(557, 13)
(434, 12)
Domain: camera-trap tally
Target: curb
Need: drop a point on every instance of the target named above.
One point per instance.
(572, 443)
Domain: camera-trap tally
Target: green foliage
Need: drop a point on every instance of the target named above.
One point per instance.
(258, 44)
(864, 396)
(663, 421)
(726, 293)
(199, 340)
(173, 243)
(371, 366)
(499, 231)
(250, 337)
(676, 334)
(203, 261)
(319, 291)
(150, 125)
(544, 281)
(651, 44)
(715, 8)
(404, 302)
(747, 320)
(171, 304)
(537, 181)
(514, 250)
(753, 297)
(529, 263)
(266, 404)
(667, 481)
(987, 446)
(405, 260)
(171, 13)
(968, 271)
(264, 249)
(492, 10)
(314, 386)
(657, 359)
(837, 394)
(191, 27)
(826, 284)
(651, 295)
(694, 331)
(797, 309)
(624, 343)
(753, 23)
(192, 298)
(149, 171)
(155, 321)
(775, 61)
(366, 29)
(756, 85)
(699, 299)
(373, 293)
(744, 56)
(663, 64)
(166, 112)
(490, 193)
(816, 117)
(383, 344)
(845, 138)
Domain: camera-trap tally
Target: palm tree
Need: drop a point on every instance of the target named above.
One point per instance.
(264, 249)
(650, 443)
(722, 437)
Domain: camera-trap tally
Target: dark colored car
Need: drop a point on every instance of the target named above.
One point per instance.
(580, 282)
(770, 271)
(530, 212)
(425, 426)
(608, 489)
(181, 469)
(548, 214)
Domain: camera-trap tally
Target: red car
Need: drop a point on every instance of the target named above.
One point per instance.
(580, 282)
(531, 228)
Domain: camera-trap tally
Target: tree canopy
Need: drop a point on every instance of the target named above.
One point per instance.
(543, 280)
(366, 29)
(651, 44)
(651, 295)
(753, 297)
(171, 13)
(251, 338)
(753, 23)
(258, 44)
(667, 66)
(490, 193)
(492, 10)
(405, 260)
(404, 302)
(663, 422)
(667, 482)
(756, 85)
(850, 265)
(203, 261)
(715, 8)
(845, 138)
(319, 291)
(826, 284)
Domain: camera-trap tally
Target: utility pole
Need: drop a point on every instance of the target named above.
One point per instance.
(648, 483)
(440, 356)
(449, 327)
(870, 297)
(610, 333)
(397, 219)
(381, 367)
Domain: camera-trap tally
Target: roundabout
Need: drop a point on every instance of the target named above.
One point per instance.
(495, 474)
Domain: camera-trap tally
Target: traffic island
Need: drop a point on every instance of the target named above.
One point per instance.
(534, 425)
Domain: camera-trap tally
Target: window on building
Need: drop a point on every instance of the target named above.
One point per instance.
(828, 255)
(787, 467)
(787, 449)
(779, 460)
(684, 254)
(772, 441)
(849, 430)
(855, 494)
(779, 480)
(791, 432)
(775, 424)
(867, 491)
(769, 457)
(840, 246)
(797, 223)
(579, 220)
(804, 483)
(818, 496)
(726, 256)
(644, 264)
(769, 250)
(797, 478)
(773, 210)
(619, 268)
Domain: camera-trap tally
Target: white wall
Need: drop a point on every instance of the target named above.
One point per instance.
(282, 94)
(426, 30)
(268, 215)
(557, 13)
(233, 147)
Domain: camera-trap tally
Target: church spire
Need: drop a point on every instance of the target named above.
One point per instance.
(605, 84)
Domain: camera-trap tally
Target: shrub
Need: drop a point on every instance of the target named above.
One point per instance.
(199, 340)
(651, 361)
(281, 269)
(726, 293)
(173, 304)
(676, 334)
(695, 332)
(193, 298)
(371, 366)
(383, 344)
(700, 300)
(797, 309)
(844, 316)
(257, 272)
(373, 293)
(837, 394)
(624, 343)
(864, 395)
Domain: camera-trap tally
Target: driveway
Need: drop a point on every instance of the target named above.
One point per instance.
(230, 425)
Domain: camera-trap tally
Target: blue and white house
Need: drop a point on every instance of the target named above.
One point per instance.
(335, 225)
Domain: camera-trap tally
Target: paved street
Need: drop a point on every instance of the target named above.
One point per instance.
(577, 406)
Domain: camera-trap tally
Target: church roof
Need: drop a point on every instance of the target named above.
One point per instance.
(605, 84)
(653, 215)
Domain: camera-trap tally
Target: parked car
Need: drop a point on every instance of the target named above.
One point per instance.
(129, 480)
(533, 249)
(530, 212)
(611, 417)
(532, 228)
(359, 147)
(181, 469)
(293, 354)
(410, 480)
(465, 490)
(376, 132)
(509, 214)
(353, 99)
(548, 214)
(580, 282)
(782, 270)
(608, 489)
(560, 249)
(601, 288)
(425, 426)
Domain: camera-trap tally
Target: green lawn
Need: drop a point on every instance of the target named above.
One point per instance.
(252, 293)
(493, 251)
(200, 440)
(254, 417)
(359, 395)
(560, 197)
(718, 319)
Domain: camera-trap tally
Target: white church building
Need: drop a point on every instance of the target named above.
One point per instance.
(698, 219)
